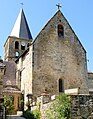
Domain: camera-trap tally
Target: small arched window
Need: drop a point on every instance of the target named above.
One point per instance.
(61, 85)
(16, 45)
(17, 54)
(23, 46)
(60, 30)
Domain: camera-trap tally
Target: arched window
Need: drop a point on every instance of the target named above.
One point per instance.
(17, 54)
(16, 45)
(61, 85)
(60, 30)
(23, 46)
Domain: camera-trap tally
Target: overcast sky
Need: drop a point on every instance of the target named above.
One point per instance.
(79, 14)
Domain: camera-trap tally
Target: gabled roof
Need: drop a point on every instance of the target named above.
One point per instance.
(21, 28)
(52, 19)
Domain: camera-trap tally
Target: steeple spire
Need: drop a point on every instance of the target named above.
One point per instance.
(21, 28)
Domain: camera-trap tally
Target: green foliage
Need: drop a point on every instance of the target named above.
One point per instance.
(60, 108)
(8, 103)
(28, 115)
(37, 114)
(32, 115)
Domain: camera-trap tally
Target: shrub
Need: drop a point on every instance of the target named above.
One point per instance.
(60, 108)
(28, 115)
(37, 114)
(8, 103)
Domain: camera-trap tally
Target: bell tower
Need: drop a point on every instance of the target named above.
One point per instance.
(19, 39)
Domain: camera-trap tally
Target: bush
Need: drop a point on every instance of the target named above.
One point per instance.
(8, 103)
(37, 114)
(28, 115)
(60, 108)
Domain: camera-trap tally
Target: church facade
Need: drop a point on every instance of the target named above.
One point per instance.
(52, 62)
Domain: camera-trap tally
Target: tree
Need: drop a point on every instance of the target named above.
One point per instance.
(60, 108)
(8, 103)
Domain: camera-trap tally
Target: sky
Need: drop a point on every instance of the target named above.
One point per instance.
(79, 14)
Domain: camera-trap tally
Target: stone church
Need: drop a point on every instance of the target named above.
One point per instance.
(52, 62)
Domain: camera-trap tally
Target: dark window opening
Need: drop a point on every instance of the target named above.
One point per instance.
(22, 47)
(60, 20)
(1, 82)
(61, 85)
(60, 30)
(20, 75)
(28, 45)
(18, 102)
(16, 45)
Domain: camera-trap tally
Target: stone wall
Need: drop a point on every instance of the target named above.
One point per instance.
(81, 107)
(24, 74)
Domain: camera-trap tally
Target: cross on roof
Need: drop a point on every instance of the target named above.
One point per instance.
(59, 6)
(22, 4)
